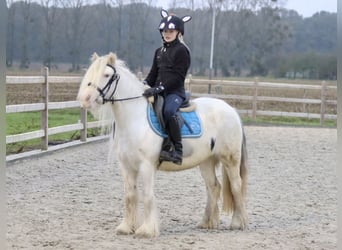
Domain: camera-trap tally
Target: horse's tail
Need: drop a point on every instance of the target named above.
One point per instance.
(228, 200)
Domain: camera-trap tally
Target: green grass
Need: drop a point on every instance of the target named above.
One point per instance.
(292, 121)
(18, 123)
(29, 121)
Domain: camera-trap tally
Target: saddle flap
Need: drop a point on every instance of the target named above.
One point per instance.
(158, 105)
(191, 128)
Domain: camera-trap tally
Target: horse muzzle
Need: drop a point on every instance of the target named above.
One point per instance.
(87, 99)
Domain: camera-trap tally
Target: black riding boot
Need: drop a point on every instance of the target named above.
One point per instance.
(167, 147)
(175, 152)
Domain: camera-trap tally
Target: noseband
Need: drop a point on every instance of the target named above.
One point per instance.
(104, 91)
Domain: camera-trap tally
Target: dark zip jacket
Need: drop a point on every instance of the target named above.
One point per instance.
(170, 66)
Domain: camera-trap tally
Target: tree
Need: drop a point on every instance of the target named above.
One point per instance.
(234, 30)
(75, 28)
(251, 40)
(137, 24)
(49, 16)
(109, 23)
(27, 19)
(10, 32)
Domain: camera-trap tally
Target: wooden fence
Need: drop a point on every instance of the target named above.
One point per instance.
(44, 106)
(256, 98)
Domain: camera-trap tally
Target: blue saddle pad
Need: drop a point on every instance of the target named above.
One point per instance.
(192, 126)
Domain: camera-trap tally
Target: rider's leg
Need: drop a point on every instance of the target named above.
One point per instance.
(172, 151)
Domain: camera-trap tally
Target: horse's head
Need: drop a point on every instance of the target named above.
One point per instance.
(99, 82)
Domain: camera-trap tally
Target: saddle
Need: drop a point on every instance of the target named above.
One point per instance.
(186, 106)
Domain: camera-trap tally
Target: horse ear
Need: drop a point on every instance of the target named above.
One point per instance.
(186, 18)
(164, 13)
(111, 58)
(94, 57)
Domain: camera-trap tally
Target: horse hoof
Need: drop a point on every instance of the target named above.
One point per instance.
(237, 225)
(124, 229)
(146, 232)
(208, 225)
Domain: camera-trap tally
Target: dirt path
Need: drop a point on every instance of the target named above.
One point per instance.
(72, 199)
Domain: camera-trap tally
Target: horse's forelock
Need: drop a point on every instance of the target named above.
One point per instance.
(95, 70)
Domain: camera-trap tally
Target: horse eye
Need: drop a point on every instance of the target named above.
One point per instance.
(106, 75)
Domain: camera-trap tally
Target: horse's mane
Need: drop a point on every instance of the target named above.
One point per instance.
(125, 72)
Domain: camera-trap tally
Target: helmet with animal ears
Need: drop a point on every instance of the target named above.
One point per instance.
(172, 22)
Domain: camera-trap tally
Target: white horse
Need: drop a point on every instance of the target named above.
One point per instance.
(137, 148)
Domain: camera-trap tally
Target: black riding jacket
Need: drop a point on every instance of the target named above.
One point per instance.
(170, 66)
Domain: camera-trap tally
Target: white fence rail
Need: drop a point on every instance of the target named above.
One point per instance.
(255, 98)
(44, 106)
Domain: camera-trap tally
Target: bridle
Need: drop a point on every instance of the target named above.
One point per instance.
(104, 91)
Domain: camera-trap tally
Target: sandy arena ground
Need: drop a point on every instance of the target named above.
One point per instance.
(72, 199)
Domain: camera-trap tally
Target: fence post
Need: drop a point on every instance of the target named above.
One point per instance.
(45, 113)
(189, 82)
(255, 99)
(304, 104)
(140, 76)
(83, 132)
(323, 101)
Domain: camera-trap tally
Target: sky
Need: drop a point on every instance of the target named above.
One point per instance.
(307, 8)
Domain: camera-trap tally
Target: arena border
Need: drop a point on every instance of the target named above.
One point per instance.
(10, 159)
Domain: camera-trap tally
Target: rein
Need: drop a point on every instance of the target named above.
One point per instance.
(104, 91)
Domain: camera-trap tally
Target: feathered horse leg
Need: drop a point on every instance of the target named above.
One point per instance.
(150, 226)
(129, 223)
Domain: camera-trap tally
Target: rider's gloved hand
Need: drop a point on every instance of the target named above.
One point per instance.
(153, 91)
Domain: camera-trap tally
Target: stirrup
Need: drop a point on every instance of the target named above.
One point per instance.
(172, 156)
